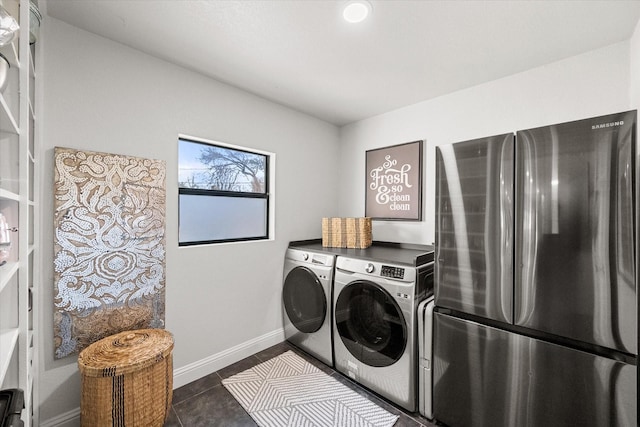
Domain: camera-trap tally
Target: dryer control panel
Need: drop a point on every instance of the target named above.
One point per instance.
(392, 272)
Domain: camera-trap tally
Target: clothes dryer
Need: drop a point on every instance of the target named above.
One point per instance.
(306, 301)
(375, 324)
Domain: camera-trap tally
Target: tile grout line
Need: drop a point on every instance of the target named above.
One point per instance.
(197, 394)
(177, 416)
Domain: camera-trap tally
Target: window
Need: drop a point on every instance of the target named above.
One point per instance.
(223, 193)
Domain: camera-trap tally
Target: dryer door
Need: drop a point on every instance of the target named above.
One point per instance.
(370, 324)
(304, 300)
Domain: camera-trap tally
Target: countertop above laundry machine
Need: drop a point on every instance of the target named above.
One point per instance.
(390, 252)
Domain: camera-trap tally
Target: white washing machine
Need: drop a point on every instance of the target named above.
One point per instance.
(375, 326)
(306, 301)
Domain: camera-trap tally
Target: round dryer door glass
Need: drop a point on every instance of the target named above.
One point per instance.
(370, 324)
(304, 300)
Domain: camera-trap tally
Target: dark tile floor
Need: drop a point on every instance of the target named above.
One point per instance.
(205, 402)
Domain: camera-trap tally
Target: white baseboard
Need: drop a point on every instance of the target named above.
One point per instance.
(192, 371)
(68, 419)
(215, 362)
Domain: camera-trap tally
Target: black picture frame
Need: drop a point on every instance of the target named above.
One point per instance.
(393, 177)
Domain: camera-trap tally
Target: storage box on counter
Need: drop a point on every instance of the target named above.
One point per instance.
(346, 232)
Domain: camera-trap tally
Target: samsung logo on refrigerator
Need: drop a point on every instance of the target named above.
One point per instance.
(607, 125)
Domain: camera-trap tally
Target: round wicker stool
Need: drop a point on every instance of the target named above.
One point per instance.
(127, 379)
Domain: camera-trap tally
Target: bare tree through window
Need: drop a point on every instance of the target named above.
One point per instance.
(222, 169)
(233, 170)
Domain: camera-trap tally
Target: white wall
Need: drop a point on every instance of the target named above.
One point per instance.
(587, 85)
(104, 96)
(634, 51)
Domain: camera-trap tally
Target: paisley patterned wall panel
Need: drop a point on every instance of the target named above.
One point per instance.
(109, 246)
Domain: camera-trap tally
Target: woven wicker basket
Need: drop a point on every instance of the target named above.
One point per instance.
(127, 379)
(346, 232)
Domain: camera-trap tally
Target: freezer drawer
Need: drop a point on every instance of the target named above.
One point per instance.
(474, 227)
(488, 377)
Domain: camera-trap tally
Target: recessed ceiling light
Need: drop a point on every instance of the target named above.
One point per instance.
(356, 11)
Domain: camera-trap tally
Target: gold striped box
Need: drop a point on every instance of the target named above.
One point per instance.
(346, 232)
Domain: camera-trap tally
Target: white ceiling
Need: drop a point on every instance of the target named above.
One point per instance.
(301, 53)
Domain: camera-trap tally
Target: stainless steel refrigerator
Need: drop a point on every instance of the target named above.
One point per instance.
(536, 277)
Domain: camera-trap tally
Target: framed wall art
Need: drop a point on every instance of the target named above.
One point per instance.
(394, 182)
(109, 246)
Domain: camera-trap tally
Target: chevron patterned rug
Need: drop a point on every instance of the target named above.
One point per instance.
(289, 391)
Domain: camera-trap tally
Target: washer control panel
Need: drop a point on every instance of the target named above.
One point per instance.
(372, 268)
(392, 272)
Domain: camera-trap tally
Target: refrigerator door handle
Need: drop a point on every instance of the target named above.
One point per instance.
(506, 225)
(526, 237)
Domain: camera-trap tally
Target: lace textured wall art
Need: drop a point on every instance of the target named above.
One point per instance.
(109, 260)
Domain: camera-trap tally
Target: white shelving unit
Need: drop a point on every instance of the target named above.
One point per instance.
(19, 157)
